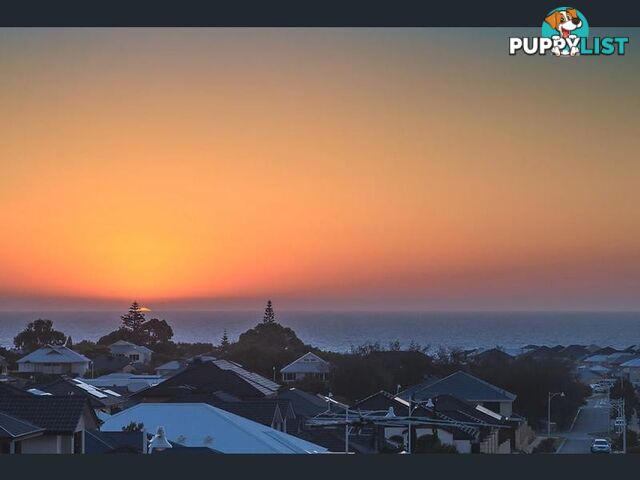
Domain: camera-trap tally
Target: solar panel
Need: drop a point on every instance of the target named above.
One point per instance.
(35, 391)
(263, 384)
(90, 389)
(111, 392)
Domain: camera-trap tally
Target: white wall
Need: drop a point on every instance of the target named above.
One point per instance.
(79, 368)
(42, 444)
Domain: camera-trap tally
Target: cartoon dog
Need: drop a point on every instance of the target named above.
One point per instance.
(565, 22)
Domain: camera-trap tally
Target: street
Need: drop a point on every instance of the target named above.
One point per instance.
(591, 422)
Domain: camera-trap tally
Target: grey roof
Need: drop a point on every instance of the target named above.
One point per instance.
(123, 345)
(462, 385)
(600, 358)
(12, 427)
(304, 404)
(308, 363)
(632, 363)
(54, 354)
(172, 365)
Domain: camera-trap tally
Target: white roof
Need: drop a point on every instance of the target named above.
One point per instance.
(308, 363)
(54, 354)
(202, 425)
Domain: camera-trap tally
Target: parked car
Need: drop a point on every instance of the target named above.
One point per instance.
(599, 388)
(600, 445)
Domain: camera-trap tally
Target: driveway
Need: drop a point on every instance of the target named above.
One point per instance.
(591, 422)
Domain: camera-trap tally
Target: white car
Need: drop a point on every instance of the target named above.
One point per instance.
(600, 445)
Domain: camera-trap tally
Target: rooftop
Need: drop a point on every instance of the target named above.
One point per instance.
(12, 427)
(53, 413)
(202, 425)
(308, 363)
(54, 354)
(462, 385)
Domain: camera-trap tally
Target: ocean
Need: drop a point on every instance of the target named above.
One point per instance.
(338, 331)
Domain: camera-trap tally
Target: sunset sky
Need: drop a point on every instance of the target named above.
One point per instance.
(365, 168)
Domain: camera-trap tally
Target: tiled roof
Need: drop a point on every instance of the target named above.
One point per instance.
(203, 378)
(462, 385)
(54, 354)
(8, 390)
(54, 414)
(12, 427)
(98, 397)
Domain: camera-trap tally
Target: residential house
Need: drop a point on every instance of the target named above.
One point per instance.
(266, 386)
(135, 353)
(203, 381)
(14, 431)
(54, 359)
(492, 356)
(466, 387)
(124, 383)
(106, 363)
(267, 411)
(202, 425)
(309, 365)
(60, 422)
(392, 432)
(631, 368)
(170, 368)
(102, 399)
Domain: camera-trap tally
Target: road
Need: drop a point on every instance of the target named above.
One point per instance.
(592, 422)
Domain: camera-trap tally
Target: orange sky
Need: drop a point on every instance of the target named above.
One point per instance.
(384, 166)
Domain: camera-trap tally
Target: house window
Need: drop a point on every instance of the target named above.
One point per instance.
(135, 357)
(290, 376)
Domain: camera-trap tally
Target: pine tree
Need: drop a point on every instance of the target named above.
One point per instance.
(224, 343)
(269, 315)
(133, 320)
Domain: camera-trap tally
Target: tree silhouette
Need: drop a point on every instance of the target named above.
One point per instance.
(38, 334)
(156, 331)
(224, 343)
(133, 322)
(269, 315)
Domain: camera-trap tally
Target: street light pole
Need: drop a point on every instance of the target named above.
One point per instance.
(411, 400)
(624, 430)
(549, 397)
(346, 431)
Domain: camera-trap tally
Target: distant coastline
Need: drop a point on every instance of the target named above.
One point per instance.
(339, 330)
